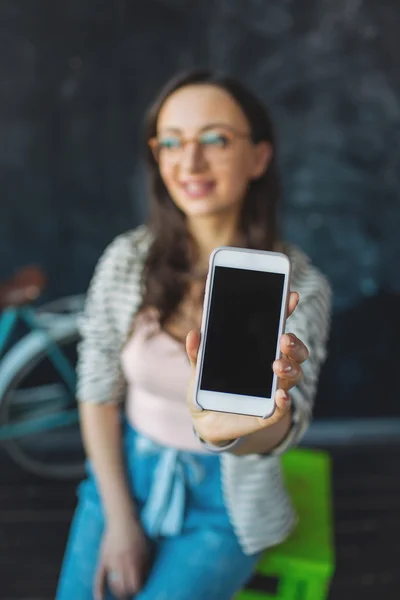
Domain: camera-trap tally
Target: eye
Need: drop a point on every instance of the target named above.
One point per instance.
(215, 138)
(170, 143)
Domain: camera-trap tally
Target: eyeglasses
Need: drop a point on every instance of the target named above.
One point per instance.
(216, 145)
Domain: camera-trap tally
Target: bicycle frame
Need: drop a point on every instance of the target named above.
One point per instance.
(8, 321)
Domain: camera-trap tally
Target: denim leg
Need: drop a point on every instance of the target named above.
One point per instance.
(202, 560)
(81, 557)
(202, 563)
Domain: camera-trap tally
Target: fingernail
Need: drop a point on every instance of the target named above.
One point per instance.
(287, 369)
(289, 340)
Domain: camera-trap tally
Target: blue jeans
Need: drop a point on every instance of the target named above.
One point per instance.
(180, 502)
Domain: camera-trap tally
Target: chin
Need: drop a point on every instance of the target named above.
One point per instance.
(205, 208)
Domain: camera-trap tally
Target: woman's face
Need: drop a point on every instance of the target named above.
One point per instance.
(205, 152)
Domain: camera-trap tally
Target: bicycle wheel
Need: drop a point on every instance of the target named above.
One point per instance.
(33, 389)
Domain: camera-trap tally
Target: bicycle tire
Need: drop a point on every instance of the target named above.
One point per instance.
(33, 465)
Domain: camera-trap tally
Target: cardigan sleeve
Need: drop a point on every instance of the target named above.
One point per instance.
(99, 378)
(310, 322)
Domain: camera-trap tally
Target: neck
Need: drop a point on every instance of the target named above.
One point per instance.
(210, 233)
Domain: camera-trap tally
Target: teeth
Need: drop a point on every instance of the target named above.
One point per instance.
(196, 187)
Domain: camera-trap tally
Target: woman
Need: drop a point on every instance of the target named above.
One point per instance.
(165, 514)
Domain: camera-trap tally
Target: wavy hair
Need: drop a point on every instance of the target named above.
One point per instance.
(168, 267)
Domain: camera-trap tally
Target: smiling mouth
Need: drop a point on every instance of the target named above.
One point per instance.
(198, 189)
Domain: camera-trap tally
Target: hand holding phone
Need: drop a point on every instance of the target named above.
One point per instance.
(237, 364)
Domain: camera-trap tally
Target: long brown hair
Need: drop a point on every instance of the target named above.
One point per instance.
(168, 265)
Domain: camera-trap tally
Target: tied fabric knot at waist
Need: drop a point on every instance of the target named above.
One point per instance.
(164, 509)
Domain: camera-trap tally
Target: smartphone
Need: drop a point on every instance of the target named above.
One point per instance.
(244, 312)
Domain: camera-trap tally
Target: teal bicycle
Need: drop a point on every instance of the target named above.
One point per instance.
(39, 425)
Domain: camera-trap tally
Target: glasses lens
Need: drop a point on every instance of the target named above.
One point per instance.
(169, 148)
(215, 144)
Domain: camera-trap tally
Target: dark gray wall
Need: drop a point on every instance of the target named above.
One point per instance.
(76, 77)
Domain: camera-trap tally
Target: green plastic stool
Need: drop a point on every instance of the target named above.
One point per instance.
(305, 562)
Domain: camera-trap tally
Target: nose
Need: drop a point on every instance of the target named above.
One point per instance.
(192, 159)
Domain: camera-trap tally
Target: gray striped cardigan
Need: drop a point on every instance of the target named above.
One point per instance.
(254, 492)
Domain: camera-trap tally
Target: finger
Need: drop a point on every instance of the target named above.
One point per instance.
(294, 299)
(133, 577)
(99, 582)
(125, 575)
(117, 586)
(283, 403)
(115, 577)
(293, 348)
(289, 373)
(192, 346)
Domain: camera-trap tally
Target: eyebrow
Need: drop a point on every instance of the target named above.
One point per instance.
(209, 126)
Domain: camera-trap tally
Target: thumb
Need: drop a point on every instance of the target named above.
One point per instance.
(99, 584)
(192, 346)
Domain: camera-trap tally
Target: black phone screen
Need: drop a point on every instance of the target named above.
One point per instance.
(242, 332)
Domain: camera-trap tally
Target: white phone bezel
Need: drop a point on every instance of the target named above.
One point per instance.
(256, 260)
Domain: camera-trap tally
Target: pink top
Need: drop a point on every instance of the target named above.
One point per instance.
(157, 371)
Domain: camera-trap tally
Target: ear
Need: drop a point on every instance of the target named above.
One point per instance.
(261, 158)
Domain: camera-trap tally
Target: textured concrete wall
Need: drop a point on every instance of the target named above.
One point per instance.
(76, 77)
